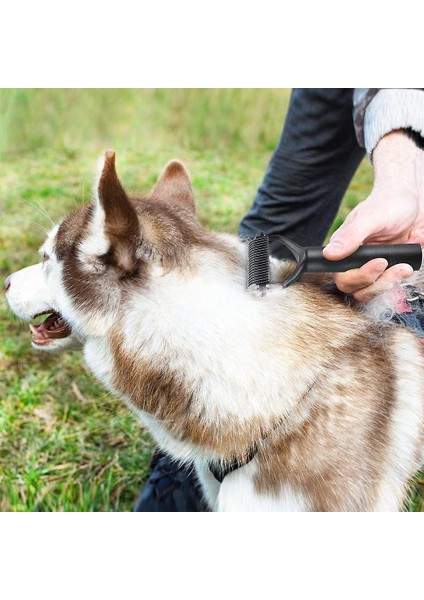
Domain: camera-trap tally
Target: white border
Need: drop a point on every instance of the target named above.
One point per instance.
(160, 555)
(227, 43)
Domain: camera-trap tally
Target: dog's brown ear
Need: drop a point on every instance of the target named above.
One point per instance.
(174, 186)
(115, 229)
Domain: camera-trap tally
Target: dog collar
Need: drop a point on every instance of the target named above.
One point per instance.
(222, 469)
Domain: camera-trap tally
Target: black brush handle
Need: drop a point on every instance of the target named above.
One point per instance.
(393, 253)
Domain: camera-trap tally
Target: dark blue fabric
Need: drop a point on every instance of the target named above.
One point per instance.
(170, 488)
(309, 171)
(414, 320)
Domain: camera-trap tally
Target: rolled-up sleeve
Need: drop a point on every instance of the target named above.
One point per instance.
(377, 112)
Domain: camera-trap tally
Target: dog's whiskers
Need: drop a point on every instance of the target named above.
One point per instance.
(43, 229)
(35, 204)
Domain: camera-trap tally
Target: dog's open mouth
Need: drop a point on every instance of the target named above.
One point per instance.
(52, 328)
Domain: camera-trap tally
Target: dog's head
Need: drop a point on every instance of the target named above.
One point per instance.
(103, 250)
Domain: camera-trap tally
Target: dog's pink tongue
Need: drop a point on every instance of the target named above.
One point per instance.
(52, 328)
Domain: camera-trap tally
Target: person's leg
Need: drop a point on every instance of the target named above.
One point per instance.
(310, 170)
(170, 488)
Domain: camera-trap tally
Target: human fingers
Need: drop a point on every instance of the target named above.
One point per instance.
(389, 279)
(357, 279)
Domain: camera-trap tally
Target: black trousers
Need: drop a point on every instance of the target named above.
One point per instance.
(309, 172)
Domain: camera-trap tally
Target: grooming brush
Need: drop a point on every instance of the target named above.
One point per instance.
(312, 260)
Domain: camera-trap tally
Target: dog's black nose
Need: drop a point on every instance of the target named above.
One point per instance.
(7, 283)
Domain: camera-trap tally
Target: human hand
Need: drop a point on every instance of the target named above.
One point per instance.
(392, 214)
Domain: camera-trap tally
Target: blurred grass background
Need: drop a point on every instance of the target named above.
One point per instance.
(192, 119)
(65, 444)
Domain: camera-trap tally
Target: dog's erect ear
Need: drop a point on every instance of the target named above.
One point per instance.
(115, 232)
(174, 186)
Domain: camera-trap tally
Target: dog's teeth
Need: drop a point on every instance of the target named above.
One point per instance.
(32, 328)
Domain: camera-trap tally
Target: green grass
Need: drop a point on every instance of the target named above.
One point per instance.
(65, 444)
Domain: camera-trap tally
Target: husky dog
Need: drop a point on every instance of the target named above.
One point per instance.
(319, 406)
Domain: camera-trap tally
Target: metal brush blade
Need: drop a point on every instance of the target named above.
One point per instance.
(258, 262)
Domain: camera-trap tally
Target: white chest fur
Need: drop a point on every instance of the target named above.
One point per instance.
(99, 358)
(225, 345)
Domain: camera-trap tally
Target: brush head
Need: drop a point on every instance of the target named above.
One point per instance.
(258, 276)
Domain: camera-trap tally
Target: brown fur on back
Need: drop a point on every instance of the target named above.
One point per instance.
(338, 451)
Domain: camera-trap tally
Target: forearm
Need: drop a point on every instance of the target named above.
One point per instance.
(399, 166)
